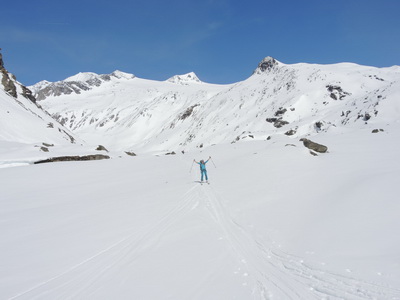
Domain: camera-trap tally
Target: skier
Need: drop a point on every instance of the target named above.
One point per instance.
(203, 169)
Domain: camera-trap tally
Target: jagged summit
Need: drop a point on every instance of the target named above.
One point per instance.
(90, 76)
(9, 83)
(82, 81)
(185, 78)
(266, 65)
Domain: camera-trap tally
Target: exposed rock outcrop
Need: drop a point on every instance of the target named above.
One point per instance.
(188, 112)
(377, 130)
(6, 79)
(73, 158)
(314, 146)
(76, 84)
(291, 132)
(336, 92)
(277, 122)
(130, 153)
(11, 84)
(101, 148)
(267, 64)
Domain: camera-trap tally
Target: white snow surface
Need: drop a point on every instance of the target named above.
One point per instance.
(274, 223)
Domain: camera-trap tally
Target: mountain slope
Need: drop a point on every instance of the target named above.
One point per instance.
(27, 132)
(125, 112)
(22, 120)
(296, 100)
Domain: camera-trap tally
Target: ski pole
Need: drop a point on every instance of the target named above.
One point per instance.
(213, 162)
(191, 167)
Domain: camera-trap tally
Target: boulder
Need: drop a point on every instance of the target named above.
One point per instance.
(314, 146)
(377, 130)
(130, 153)
(290, 132)
(101, 148)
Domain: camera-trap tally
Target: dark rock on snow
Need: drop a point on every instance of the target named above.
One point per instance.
(130, 153)
(10, 83)
(267, 64)
(377, 130)
(314, 146)
(73, 158)
(290, 132)
(101, 148)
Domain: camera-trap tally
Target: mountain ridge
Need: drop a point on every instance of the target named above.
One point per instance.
(295, 100)
(22, 119)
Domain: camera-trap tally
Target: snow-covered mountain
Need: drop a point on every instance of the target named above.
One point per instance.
(75, 84)
(22, 120)
(126, 112)
(27, 132)
(274, 222)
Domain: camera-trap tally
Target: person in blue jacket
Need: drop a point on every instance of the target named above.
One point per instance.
(203, 169)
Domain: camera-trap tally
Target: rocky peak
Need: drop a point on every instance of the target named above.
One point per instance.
(185, 78)
(1, 60)
(266, 65)
(76, 84)
(11, 85)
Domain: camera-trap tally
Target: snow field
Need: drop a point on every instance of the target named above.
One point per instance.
(275, 223)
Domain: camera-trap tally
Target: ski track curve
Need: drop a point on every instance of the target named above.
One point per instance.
(80, 277)
(280, 275)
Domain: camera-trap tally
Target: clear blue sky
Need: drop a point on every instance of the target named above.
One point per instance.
(222, 41)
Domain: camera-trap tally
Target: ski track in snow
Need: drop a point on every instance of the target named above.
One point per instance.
(279, 275)
(107, 261)
(266, 269)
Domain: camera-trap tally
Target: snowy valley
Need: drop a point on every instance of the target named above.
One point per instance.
(275, 222)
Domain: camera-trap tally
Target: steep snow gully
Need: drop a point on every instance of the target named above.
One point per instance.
(263, 268)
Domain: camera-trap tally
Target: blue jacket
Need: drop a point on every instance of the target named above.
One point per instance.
(203, 166)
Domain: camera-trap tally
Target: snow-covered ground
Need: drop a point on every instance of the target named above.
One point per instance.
(275, 223)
